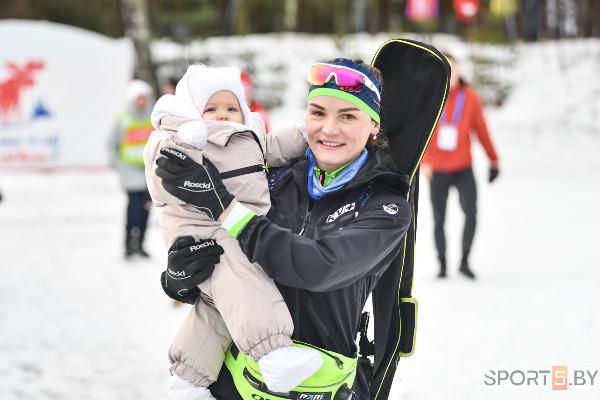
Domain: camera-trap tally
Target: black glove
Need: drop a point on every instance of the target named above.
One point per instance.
(188, 297)
(190, 263)
(198, 185)
(493, 173)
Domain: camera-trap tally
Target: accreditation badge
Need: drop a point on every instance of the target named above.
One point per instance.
(447, 137)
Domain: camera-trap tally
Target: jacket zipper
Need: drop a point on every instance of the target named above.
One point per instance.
(305, 223)
(308, 209)
(297, 290)
(339, 362)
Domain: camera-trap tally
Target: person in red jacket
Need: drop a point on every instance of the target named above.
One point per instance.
(447, 162)
(255, 105)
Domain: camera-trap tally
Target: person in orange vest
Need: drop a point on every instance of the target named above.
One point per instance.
(126, 147)
(447, 162)
(255, 105)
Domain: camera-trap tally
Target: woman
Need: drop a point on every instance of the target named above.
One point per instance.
(447, 162)
(337, 216)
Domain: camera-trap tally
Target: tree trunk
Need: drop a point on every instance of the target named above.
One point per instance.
(360, 15)
(230, 16)
(291, 15)
(373, 16)
(18, 8)
(552, 19)
(589, 16)
(385, 15)
(137, 27)
(595, 6)
(531, 11)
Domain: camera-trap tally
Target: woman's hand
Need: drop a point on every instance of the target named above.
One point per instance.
(199, 185)
(190, 263)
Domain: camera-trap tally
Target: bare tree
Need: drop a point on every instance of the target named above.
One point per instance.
(373, 15)
(137, 27)
(589, 14)
(291, 15)
(230, 16)
(18, 8)
(531, 12)
(360, 15)
(595, 17)
(385, 15)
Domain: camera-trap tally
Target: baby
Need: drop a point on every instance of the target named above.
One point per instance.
(208, 116)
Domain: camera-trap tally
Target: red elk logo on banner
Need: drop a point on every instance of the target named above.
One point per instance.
(20, 79)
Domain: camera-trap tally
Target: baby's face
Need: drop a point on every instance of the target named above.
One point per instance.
(223, 106)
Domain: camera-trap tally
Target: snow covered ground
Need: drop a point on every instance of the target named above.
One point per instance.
(79, 322)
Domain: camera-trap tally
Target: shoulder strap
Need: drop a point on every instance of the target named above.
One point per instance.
(242, 171)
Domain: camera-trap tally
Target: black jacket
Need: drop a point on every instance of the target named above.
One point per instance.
(327, 256)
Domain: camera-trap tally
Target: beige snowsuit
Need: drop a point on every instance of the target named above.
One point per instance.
(239, 300)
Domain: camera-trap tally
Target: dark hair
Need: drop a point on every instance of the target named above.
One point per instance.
(450, 57)
(381, 142)
(371, 69)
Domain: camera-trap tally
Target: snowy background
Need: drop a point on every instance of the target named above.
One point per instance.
(79, 322)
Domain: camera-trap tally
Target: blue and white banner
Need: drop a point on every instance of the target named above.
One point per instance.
(61, 89)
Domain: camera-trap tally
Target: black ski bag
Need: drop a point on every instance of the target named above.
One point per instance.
(416, 82)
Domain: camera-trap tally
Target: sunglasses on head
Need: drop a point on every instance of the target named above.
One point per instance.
(348, 79)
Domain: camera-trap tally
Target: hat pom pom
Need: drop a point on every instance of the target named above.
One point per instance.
(193, 133)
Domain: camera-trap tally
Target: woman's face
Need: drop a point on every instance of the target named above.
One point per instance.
(337, 131)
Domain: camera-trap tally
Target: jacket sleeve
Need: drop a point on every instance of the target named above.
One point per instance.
(364, 247)
(481, 128)
(284, 144)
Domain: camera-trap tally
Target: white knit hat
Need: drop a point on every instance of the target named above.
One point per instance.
(192, 93)
(204, 81)
(198, 84)
(136, 88)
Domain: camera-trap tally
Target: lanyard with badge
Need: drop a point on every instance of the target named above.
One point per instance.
(448, 133)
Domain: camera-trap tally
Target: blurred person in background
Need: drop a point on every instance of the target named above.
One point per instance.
(255, 105)
(169, 86)
(447, 162)
(126, 147)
